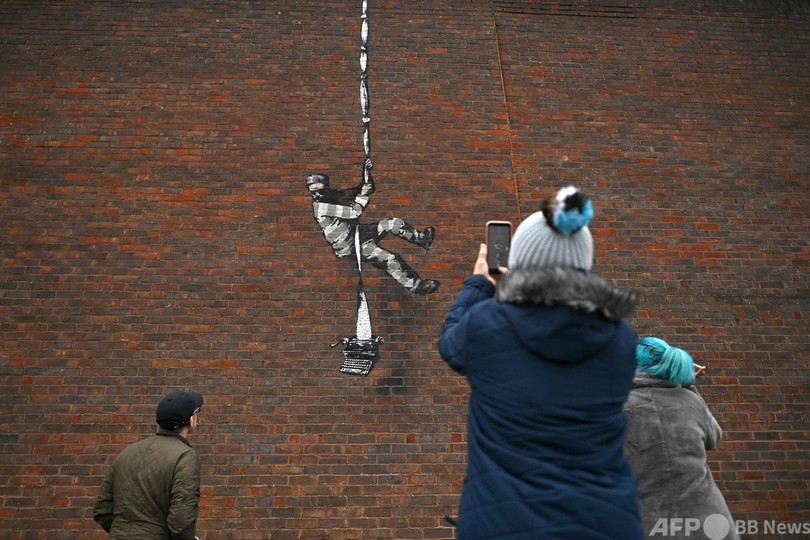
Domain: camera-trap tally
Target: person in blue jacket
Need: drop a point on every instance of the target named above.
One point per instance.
(550, 362)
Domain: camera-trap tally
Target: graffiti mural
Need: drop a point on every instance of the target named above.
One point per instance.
(338, 213)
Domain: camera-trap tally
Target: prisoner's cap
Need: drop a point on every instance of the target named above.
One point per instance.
(317, 179)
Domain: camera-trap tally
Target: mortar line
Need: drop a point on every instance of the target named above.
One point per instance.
(506, 107)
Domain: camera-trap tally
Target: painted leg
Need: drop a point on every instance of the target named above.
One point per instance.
(399, 227)
(398, 269)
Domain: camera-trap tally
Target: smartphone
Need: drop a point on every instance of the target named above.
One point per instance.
(499, 237)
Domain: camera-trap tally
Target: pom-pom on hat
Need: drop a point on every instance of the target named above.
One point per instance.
(177, 408)
(557, 236)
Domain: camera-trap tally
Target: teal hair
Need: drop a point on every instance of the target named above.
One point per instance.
(658, 358)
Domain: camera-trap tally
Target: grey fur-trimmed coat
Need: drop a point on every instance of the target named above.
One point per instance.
(669, 431)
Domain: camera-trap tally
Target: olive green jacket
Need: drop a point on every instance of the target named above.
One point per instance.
(152, 490)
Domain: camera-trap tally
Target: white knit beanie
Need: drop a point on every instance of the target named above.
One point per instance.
(557, 236)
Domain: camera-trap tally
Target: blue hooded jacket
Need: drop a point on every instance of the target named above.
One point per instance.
(550, 364)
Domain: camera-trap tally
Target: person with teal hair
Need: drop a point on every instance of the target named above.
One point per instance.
(669, 431)
(657, 358)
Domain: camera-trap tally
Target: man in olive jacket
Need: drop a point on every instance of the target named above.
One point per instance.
(152, 489)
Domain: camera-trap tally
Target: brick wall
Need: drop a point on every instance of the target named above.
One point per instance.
(156, 233)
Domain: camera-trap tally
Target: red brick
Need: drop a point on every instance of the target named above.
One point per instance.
(156, 232)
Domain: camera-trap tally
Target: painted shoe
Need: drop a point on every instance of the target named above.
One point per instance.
(426, 238)
(426, 286)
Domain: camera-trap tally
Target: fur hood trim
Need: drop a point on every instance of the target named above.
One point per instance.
(578, 289)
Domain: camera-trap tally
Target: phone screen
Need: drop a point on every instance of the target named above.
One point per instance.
(499, 236)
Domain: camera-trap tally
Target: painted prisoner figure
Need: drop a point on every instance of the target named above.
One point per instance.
(338, 213)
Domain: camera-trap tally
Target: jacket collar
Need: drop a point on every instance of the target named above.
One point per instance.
(576, 288)
(169, 433)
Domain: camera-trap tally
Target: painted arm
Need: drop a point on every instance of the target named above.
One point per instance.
(368, 180)
(351, 211)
